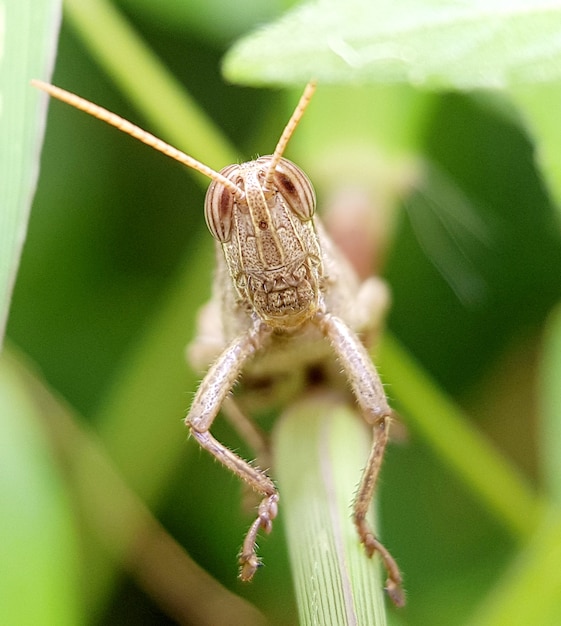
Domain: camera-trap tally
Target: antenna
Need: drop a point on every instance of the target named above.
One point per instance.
(288, 130)
(138, 133)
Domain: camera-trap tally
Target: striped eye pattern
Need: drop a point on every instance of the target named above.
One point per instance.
(288, 180)
(295, 187)
(219, 206)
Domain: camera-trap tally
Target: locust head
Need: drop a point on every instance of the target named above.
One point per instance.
(267, 235)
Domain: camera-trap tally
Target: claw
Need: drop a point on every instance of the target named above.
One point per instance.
(248, 566)
(395, 593)
(248, 560)
(372, 545)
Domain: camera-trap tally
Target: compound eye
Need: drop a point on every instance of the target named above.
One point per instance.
(296, 189)
(219, 207)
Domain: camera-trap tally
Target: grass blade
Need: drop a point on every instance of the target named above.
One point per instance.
(448, 432)
(28, 35)
(320, 448)
(39, 548)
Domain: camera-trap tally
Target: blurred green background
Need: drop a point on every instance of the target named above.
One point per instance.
(472, 256)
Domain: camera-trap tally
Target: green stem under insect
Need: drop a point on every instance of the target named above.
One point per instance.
(320, 447)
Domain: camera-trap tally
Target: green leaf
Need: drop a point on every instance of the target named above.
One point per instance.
(39, 547)
(431, 44)
(508, 496)
(28, 35)
(539, 106)
(530, 591)
(116, 522)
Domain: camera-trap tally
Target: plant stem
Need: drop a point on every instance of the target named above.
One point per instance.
(146, 81)
(320, 447)
(487, 473)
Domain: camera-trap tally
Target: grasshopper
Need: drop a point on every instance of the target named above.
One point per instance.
(283, 297)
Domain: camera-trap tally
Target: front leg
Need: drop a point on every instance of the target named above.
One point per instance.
(212, 392)
(369, 392)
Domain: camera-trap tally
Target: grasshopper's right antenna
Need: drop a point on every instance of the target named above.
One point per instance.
(138, 133)
(288, 131)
